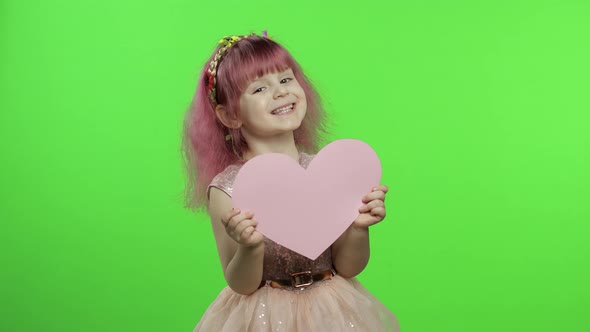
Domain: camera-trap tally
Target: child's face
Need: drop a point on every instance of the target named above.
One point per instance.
(272, 104)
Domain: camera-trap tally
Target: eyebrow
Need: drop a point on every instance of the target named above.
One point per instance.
(280, 73)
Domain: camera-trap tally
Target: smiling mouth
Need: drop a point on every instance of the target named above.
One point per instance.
(283, 110)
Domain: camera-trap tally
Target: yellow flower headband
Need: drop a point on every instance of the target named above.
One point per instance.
(211, 73)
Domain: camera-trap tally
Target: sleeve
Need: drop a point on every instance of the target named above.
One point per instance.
(224, 181)
(305, 159)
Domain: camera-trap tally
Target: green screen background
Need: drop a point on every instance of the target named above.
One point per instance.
(477, 109)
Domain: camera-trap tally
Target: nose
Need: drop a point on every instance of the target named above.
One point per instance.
(280, 91)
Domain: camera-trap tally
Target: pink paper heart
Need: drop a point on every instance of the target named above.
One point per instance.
(307, 210)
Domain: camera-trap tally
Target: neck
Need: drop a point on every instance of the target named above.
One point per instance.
(284, 144)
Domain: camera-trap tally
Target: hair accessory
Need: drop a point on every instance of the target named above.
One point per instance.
(211, 74)
(265, 34)
(229, 137)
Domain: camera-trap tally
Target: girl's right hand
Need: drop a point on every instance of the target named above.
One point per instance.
(242, 228)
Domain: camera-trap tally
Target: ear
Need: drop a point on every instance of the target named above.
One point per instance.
(229, 120)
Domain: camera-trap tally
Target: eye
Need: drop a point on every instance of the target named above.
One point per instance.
(286, 80)
(259, 90)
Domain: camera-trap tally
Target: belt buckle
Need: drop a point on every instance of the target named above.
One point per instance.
(301, 279)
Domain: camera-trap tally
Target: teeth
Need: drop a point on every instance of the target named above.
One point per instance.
(283, 109)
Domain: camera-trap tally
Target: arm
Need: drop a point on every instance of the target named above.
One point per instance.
(351, 251)
(240, 246)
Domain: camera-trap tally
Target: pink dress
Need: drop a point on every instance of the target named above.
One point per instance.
(337, 304)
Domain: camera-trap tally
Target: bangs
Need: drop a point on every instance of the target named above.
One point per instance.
(248, 60)
(264, 63)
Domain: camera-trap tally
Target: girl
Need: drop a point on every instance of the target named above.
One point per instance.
(253, 98)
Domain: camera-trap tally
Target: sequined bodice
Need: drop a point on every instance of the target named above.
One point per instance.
(279, 262)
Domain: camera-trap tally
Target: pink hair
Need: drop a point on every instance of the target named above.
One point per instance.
(206, 152)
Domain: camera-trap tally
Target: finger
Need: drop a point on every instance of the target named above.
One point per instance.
(366, 220)
(242, 226)
(233, 222)
(226, 217)
(380, 195)
(375, 204)
(247, 233)
(371, 205)
(382, 188)
(385, 189)
(378, 212)
(363, 208)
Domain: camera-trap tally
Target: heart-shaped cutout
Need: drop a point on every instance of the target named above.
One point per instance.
(306, 210)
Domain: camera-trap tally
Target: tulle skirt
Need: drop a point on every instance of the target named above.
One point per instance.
(338, 304)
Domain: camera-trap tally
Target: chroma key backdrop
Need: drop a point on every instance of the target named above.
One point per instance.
(478, 110)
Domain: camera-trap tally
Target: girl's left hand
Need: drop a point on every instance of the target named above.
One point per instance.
(373, 211)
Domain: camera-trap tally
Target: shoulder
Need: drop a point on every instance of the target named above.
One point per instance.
(224, 181)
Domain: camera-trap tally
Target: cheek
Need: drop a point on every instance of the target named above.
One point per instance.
(304, 100)
(302, 94)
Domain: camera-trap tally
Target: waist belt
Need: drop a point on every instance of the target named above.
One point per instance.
(299, 279)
